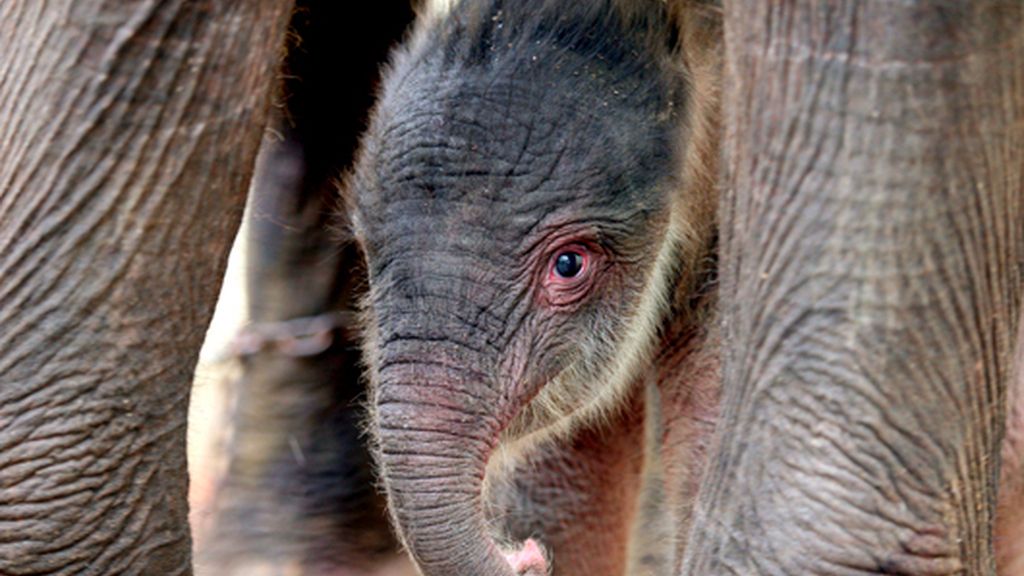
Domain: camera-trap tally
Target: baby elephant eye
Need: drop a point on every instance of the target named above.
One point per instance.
(569, 276)
(569, 264)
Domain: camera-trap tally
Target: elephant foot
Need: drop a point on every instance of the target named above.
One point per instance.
(528, 560)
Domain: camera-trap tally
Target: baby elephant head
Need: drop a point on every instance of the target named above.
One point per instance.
(514, 200)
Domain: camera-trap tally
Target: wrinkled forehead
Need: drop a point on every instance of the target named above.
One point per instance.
(512, 138)
(515, 137)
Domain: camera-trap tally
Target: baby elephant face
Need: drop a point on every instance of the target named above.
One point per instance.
(514, 200)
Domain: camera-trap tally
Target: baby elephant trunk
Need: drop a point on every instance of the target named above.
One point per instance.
(436, 430)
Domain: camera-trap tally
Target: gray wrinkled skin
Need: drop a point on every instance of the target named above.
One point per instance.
(128, 134)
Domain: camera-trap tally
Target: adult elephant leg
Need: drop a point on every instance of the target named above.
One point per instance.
(299, 490)
(871, 267)
(128, 134)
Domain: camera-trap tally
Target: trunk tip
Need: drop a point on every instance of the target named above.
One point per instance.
(529, 560)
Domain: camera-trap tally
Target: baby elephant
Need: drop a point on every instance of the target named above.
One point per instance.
(535, 203)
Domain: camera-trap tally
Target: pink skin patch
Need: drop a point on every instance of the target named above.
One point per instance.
(528, 560)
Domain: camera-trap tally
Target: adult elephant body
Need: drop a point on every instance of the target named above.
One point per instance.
(128, 133)
(873, 238)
